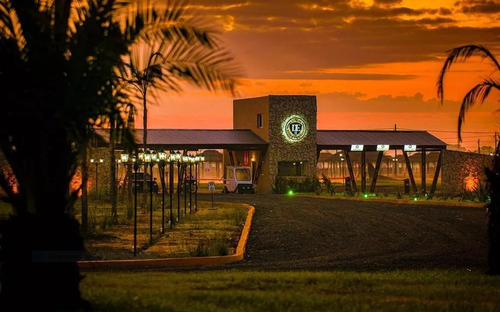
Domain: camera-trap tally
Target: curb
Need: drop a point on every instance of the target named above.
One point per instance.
(177, 262)
(408, 201)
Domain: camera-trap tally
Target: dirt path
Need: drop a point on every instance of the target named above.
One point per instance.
(304, 233)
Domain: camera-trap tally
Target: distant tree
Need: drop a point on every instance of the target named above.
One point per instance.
(479, 93)
(456, 147)
(487, 149)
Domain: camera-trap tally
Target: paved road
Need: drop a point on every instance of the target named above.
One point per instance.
(304, 233)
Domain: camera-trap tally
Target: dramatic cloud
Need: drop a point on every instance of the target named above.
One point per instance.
(283, 38)
(478, 6)
(387, 2)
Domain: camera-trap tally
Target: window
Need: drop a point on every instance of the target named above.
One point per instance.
(259, 121)
(243, 174)
(290, 168)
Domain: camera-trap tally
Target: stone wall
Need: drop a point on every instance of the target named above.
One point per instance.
(280, 149)
(463, 171)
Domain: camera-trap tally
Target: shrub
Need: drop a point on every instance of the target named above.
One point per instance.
(201, 250)
(330, 189)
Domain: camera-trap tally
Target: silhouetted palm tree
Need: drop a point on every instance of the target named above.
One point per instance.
(58, 74)
(479, 93)
(188, 53)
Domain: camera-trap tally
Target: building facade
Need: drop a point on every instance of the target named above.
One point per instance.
(288, 124)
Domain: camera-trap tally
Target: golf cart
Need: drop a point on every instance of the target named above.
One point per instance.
(238, 180)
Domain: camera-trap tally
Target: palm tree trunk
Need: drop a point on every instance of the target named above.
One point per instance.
(112, 143)
(145, 144)
(85, 178)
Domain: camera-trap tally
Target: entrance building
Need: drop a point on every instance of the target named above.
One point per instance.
(277, 136)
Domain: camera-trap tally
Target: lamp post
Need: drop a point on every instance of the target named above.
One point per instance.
(197, 159)
(191, 162)
(185, 160)
(136, 168)
(342, 166)
(148, 161)
(178, 158)
(96, 162)
(171, 160)
(118, 162)
(162, 157)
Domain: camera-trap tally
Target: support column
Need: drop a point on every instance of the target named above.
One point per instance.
(436, 174)
(410, 172)
(423, 166)
(377, 169)
(351, 172)
(363, 172)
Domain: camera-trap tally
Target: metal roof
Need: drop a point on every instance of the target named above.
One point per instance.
(341, 139)
(202, 139)
(245, 139)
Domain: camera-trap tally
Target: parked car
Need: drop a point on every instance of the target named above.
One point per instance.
(138, 180)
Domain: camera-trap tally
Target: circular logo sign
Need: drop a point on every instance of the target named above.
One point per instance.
(294, 128)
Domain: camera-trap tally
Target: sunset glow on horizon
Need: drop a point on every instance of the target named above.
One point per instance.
(371, 64)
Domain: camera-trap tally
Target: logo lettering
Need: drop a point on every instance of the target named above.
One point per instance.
(294, 128)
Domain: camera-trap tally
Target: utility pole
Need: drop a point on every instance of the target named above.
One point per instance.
(478, 146)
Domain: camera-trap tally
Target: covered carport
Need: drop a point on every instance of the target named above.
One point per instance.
(362, 141)
(185, 140)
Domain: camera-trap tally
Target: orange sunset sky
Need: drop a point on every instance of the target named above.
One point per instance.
(371, 63)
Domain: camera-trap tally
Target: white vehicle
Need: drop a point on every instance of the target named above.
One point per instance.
(238, 180)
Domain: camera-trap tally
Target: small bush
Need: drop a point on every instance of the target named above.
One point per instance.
(107, 222)
(221, 248)
(201, 250)
(280, 185)
(328, 185)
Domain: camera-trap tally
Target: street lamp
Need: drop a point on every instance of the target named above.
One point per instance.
(178, 158)
(197, 159)
(191, 162)
(96, 162)
(171, 160)
(185, 160)
(162, 156)
(342, 166)
(136, 168)
(148, 160)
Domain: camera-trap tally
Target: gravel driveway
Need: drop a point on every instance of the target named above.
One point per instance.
(309, 233)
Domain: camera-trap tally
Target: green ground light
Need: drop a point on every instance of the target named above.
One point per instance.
(290, 192)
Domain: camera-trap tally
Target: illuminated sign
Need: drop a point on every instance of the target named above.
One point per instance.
(294, 128)
(357, 148)
(410, 148)
(382, 147)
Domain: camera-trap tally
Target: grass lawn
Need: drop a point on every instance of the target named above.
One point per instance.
(437, 290)
(206, 232)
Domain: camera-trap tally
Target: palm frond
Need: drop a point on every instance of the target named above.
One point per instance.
(478, 93)
(212, 69)
(461, 54)
(171, 20)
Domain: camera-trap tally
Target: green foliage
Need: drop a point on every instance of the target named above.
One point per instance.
(201, 249)
(282, 185)
(330, 189)
(221, 248)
